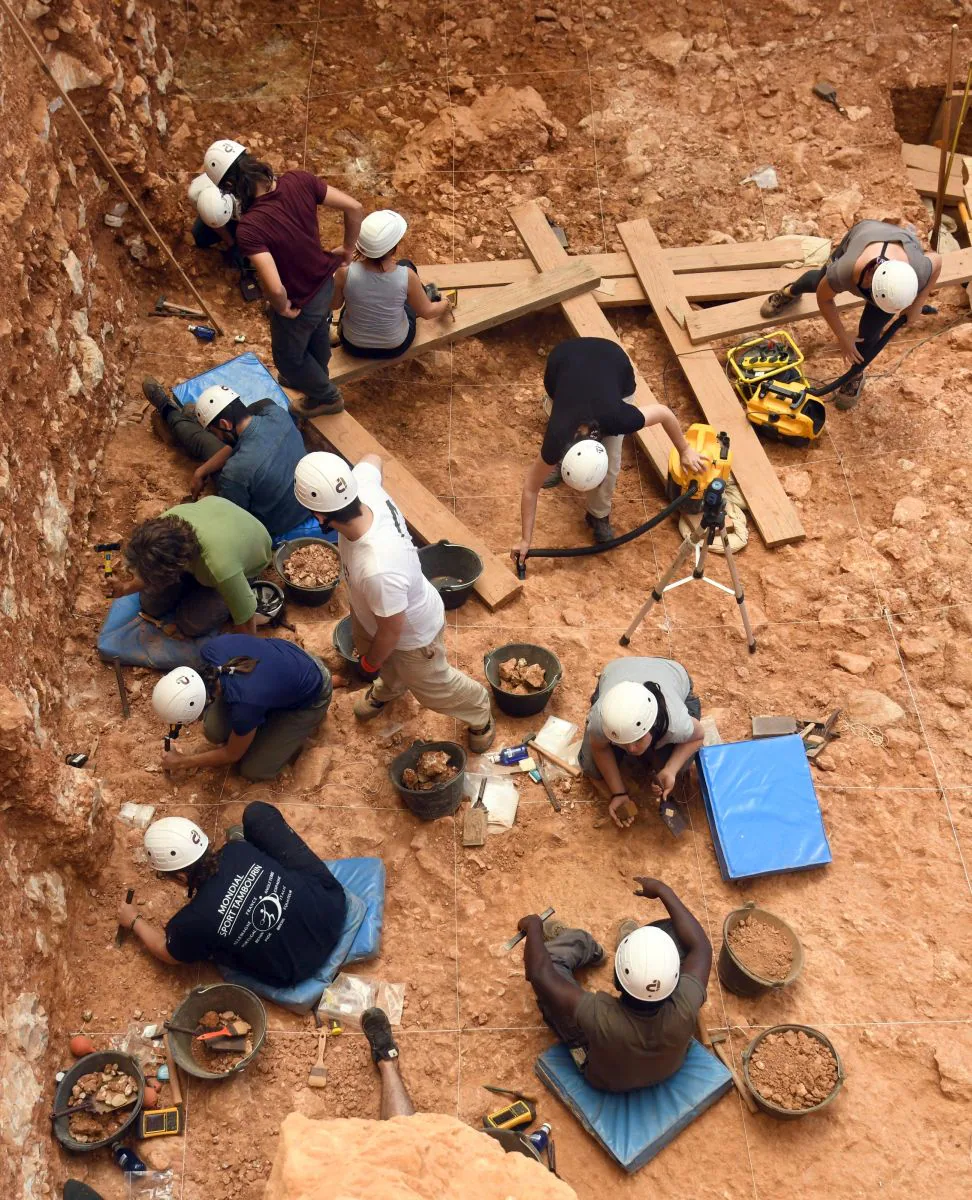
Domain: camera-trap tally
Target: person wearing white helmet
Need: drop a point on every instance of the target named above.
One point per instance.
(278, 232)
(263, 699)
(264, 903)
(397, 616)
(217, 216)
(642, 709)
(382, 294)
(885, 265)
(589, 386)
(219, 158)
(251, 450)
(640, 1035)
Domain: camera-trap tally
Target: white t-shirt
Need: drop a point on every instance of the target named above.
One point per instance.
(382, 570)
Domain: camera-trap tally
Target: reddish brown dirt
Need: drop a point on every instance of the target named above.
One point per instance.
(761, 948)
(793, 1070)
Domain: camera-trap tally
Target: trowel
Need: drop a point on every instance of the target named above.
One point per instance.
(827, 91)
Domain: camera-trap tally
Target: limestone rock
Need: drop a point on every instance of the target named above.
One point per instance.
(854, 664)
(909, 511)
(13, 201)
(961, 338)
(954, 1072)
(797, 484)
(72, 74)
(669, 48)
(916, 648)
(407, 1158)
(871, 707)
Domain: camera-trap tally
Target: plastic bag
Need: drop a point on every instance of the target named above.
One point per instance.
(149, 1185)
(500, 798)
(347, 997)
(764, 177)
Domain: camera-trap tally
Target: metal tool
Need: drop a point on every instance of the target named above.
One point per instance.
(551, 794)
(172, 735)
(827, 92)
(122, 690)
(716, 1041)
(165, 308)
(475, 821)
(517, 938)
(106, 549)
(121, 930)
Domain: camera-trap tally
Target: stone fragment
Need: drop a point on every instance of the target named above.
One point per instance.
(72, 74)
(909, 511)
(854, 664)
(797, 484)
(669, 48)
(870, 707)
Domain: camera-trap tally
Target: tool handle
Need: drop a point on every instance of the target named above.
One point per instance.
(321, 1047)
(121, 931)
(174, 1086)
(557, 761)
(741, 1088)
(518, 937)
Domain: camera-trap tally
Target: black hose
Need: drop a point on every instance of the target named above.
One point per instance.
(600, 547)
(826, 388)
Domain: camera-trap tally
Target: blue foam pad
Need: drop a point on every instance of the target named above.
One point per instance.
(309, 528)
(139, 643)
(762, 807)
(363, 880)
(245, 374)
(634, 1126)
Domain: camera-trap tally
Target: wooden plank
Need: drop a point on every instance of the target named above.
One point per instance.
(493, 308)
(771, 508)
(586, 319)
(430, 519)
(926, 158)
(925, 183)
(743, 316)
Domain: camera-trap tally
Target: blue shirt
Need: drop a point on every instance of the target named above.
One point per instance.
(260, 473)
(285, 677)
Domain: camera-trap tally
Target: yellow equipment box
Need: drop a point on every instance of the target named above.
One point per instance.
(770, 381)
(714, 448)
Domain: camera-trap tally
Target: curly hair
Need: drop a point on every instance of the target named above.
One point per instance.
(161, 550)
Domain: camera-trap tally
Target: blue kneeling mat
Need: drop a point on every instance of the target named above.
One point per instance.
(139, 643)
(363, 879)
(634, 1126)
(762, 807)
(245, 374)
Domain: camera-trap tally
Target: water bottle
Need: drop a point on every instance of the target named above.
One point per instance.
(509, 756)
(205, 333)
(540, 1137)
(127, 1159)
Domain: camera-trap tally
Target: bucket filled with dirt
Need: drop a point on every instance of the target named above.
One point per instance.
(760, 952)
(523, 677)
(107, 1087)
(310, 568)
(217, 1030)
(429, 778)
(792, 1070)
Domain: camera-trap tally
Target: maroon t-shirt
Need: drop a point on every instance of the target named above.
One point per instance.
(284, 223)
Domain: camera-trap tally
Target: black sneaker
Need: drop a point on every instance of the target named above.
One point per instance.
(156, 394)
(602, 528)
(377, 1029)
(554, 479)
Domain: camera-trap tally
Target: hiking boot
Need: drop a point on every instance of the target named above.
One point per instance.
(554, 479)
(480, 740)
(602, 528)
(553, 927)
(377, 1029)
(156, 395)
(775, 302)
(322, 410)
(848, 396)
(628, 925)
(366, 707)
(234, 833)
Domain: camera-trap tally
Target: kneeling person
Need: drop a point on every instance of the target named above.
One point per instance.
(264, 904)
(644, 708)
(263, 699)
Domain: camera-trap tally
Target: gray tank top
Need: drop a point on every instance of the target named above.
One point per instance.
(840, 269)
(374, 313)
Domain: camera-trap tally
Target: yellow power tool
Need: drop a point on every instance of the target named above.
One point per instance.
(769, 380)
(713, 447)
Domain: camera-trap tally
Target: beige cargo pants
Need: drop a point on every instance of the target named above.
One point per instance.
(434, 682)
(599, 500)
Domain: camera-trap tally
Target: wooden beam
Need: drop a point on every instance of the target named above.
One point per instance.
(772, 510)
(586, 319)
(743, 316)
(926, 158)
(430, 519)
(925, 183)
(492, 308)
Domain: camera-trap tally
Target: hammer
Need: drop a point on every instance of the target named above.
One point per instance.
(164, 308)
(106, 549)
(716, 1040)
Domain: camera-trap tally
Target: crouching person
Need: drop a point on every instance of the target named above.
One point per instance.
(264, 904)
(263, 699)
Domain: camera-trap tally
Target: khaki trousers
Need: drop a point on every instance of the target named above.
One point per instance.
(434, 682)
(599, 500)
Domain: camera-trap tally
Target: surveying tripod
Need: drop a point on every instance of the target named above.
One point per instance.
(713, 522)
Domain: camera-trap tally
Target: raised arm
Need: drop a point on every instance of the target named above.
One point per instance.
(698, 958)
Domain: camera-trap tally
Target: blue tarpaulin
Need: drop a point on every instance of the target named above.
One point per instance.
(245, 374)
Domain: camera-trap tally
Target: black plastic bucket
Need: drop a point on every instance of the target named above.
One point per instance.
(529, 705)
(776, 1110)
(740, 979)
(84, 1066)
(221, 997)
(452, 570)
(302, 595)
(441, 801)
(342, 639)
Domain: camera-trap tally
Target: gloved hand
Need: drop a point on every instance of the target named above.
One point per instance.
(367, 671)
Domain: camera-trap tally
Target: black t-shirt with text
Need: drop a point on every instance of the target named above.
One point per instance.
(587, 380)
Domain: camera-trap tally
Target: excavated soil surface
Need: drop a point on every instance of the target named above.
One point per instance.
(602, 114)
(761, 948)
(793, 1070)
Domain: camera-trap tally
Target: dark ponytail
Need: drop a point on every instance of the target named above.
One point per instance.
(242, 665)
(660, 727)
(246, 179)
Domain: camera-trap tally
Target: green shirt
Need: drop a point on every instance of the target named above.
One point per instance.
(233, 548)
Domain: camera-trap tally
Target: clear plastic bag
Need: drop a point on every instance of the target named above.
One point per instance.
(347, 997)
(149, 1185)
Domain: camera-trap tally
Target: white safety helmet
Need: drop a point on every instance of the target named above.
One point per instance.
(894, 285)
(214, 207)
(198, 186)
(174, 843)
(381, 232)
(584, 465)
(220, 157)
(180, 696)
(212, 401)
(647, 963)
(323, 482)
(628, 711)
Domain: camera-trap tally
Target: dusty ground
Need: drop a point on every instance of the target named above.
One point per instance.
(886, 927)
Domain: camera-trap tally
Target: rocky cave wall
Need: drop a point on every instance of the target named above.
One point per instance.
(66, 306)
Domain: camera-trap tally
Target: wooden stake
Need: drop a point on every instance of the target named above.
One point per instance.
(946, 130)
(107, 161)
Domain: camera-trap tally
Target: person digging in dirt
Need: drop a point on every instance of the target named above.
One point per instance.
(251, 449)
(395, 1100)
(195, 561)
(279, 234)
(661, 972)
(218, 216)
(263, 698)
(398, 617)
(382, 294)
(880, 262)
(264, 904)
(590, 385)
(642, 708)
